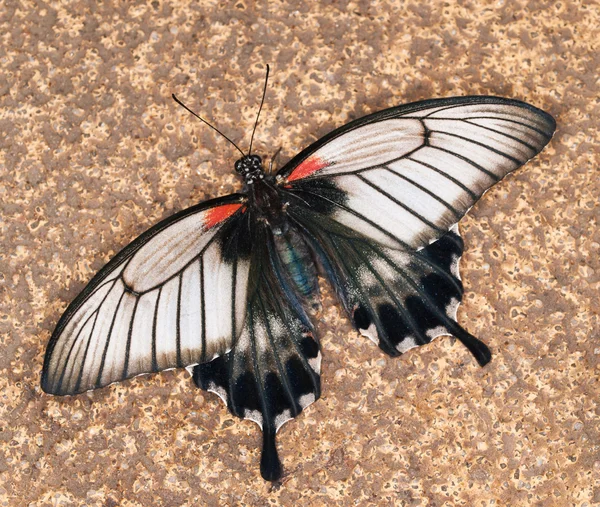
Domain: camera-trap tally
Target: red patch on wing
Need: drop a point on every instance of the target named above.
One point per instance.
(309, 166)
(216, 215)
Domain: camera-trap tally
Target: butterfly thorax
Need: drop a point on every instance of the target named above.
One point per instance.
(266, 201)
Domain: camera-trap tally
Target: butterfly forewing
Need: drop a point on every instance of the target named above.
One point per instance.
(407, 174)
(155, 305)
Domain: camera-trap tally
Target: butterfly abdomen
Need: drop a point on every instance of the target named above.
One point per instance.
(295, 255)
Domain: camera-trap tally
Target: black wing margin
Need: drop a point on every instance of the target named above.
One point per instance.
(272, 371)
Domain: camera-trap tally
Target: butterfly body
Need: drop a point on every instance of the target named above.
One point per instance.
(267, 203)
(226, 288)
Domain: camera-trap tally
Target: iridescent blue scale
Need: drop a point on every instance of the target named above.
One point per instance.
(296, 257)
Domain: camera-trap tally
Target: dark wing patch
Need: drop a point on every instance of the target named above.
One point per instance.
(272, 371)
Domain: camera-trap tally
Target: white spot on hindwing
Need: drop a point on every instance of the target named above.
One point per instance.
(434, 332)
(455, 266)
(452, 308)
(306, 399)
(371, 333)
(315, 363)
(408, 343)
(254, 415)
(366, 276)
(282, 418)
(219, 391)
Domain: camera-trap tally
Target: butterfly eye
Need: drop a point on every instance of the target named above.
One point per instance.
(238, 166)
(256, 160)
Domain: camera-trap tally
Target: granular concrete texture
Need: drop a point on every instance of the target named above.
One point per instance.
(93, 151)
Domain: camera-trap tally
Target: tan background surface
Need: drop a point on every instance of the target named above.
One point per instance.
(93, 151)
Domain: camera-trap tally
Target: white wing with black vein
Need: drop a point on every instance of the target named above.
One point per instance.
(174, 297)
(406, 175)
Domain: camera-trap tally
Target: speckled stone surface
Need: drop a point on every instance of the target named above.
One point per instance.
(93, 151)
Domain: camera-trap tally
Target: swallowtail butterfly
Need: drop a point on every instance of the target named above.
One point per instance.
(226, 288)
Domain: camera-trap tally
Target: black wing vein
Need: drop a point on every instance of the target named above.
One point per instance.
(424, 189)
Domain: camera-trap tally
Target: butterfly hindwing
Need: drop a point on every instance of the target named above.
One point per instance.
(167, 300)
(398, 298)
(272, 371)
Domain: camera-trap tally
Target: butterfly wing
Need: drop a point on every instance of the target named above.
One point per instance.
(204, 287)
(272, 371)
(173, 297)
(379, 200)
(398, 298)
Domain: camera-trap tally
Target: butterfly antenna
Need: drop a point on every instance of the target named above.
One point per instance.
(259, 109)
(202, 119)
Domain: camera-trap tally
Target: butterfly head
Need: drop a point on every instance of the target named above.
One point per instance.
(250, 167)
